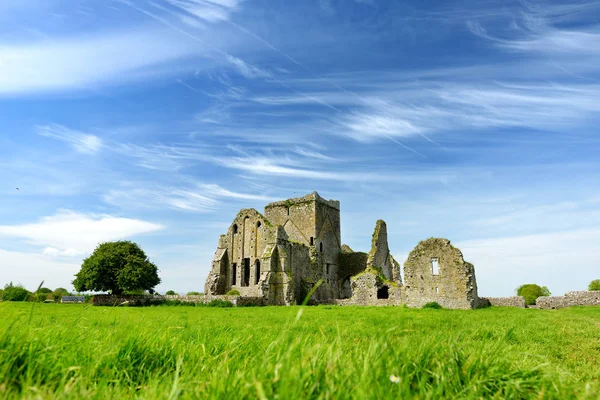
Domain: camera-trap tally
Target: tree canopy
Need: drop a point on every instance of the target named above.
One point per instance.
(117, 267)
(61, 292)
(171, 293)
(14, 293)
(531, 292)
(594, 285)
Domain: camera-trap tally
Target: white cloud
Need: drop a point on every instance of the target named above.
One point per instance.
(82, 142)
(54, 252)
(70, 233)
(563, 261)
(86, 61)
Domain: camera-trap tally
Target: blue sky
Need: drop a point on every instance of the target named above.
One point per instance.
(157, 120)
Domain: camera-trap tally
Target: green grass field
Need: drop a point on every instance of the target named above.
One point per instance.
(76, 351)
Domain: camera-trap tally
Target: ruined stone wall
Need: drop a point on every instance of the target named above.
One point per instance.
(514, 301)
(379, 256)
(577, 298)
(454, 284)
(239, 262)
(369, 289)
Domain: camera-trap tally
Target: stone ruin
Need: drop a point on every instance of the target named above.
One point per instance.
(295, 248)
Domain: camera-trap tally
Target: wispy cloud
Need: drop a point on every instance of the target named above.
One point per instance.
(207, 10)
(82, 142)
(87, 61)
(160, 197)
(188, 196)
(247, 70)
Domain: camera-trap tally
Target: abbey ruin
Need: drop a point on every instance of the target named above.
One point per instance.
(279, 257)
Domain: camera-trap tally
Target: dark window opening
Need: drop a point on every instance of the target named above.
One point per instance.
(235, 228)
(327, 269)
(288, 211)
(346, 288)
(256, 272)
(383, 292)
(233, 274)
(246, 275)
(321, 247)
(258, 224)
(312, 241)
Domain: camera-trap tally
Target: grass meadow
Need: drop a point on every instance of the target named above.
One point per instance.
(63, 351)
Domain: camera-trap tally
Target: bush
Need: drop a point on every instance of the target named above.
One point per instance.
(219, 303)
(531, 292)
(433, 305)
(233, 292)
(41, 297)
(14, 293)
(594, 285)
(171, 293)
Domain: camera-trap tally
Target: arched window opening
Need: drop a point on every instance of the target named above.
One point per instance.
(258, 224)
(346, 288)
(233, 274)
(383, 292)
(321, 247)
(256, 272)
(235, 228)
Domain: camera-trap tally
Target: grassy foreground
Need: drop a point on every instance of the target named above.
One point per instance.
(77, 351)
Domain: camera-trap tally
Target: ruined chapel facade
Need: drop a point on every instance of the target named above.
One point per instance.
(295, 248)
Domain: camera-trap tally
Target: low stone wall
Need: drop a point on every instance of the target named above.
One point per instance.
(578, 298)
(514, 301)
(147, 300)
(131, 300)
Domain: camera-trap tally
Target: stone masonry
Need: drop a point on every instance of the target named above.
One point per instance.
(436, 271)
(278, 257)
(577, 298)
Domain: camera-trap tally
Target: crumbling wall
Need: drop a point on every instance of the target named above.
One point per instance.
(514, 301)
(373, 280)
(577, 298)
(379, 256)
(452, 285)
(370, 289)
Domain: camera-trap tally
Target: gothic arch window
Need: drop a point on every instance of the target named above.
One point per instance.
(235, 228)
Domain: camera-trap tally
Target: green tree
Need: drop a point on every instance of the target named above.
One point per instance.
(43, 290)
(14, 293)
(171, 293)
(58, 293)
(531, 292)
(594, 285)
(117, 267)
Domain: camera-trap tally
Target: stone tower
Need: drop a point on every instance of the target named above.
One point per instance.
(313, 222)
